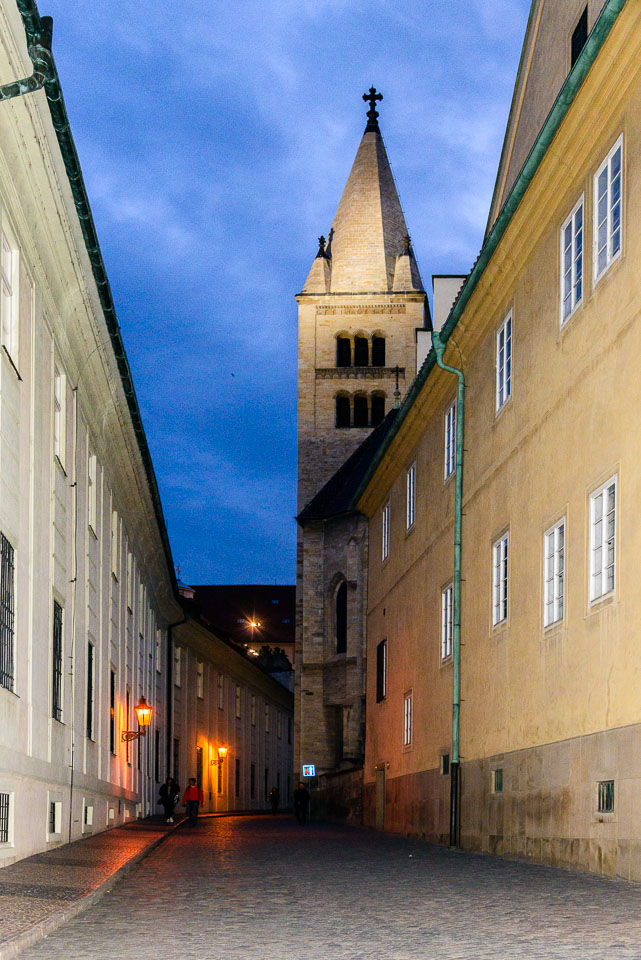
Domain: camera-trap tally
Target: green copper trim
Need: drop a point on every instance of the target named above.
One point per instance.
(569, 90)
(36, 28)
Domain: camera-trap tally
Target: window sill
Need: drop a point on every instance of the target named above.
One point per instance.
(565, 323)
(447, 661)
(13, 366)
(597, 279)
(595, 606)
(498, 411)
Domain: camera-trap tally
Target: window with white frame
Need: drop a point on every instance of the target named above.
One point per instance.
(7, 613)
(572, 262)
(447, 620)
(385, 532)
(504, 362)
(9, 294)
(554, 573)
(603, 508)
(450, 441)
(608, 188)
(92, 492)
(59, 414)
(115, 544)
(410, 489)
(407, 719)
(499, 579)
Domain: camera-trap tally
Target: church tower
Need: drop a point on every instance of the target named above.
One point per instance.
(359, 312)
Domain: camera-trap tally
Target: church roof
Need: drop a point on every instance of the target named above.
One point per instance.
(336, 496)
(368, 245)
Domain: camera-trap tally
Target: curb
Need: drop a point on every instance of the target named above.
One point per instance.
(11, 948)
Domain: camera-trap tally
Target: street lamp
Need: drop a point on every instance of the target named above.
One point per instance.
(143, 716)
(222, 753)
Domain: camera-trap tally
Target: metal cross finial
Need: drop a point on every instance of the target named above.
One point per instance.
(321, 247)
(372, 114)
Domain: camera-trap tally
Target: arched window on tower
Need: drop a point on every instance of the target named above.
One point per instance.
(378, 351)
(378, 408)
(342, 411)
(341, 618)
(360, 410)
(361, 352)
(343, 352)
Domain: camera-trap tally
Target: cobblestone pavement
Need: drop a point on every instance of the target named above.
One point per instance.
(34, 892)
(262, 888)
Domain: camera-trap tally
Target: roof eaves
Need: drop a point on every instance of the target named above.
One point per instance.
(564, 100)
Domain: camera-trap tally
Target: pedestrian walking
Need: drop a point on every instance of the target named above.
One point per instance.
(274, 799)
(169, 793)
(192, 798)
(301, 802)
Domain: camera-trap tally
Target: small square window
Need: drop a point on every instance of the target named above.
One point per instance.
(605, 796)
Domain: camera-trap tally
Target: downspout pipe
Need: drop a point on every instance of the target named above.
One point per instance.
(39, 50)
(439, 348)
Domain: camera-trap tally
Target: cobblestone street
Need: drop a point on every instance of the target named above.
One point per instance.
(268, 889)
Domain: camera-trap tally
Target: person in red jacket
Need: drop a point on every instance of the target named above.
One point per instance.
(193, 796)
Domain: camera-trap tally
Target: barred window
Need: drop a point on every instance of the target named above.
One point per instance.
(7, 613)
(56, 663)
(605, 799)
(4, 818)
(90, 688)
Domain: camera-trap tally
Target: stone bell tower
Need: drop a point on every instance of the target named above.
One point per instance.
(359, 311)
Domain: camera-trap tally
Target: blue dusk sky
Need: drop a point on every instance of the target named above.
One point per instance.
(215, 141)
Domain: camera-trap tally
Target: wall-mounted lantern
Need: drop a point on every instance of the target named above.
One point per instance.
(143, 716)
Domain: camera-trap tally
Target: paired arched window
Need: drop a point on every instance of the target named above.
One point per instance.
(358, 353)
(362, 410)
(340, 618)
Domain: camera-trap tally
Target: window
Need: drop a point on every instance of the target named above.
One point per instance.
(252, 782)
(127, 721)
(9, 295)
(112, 712)
(385, 532)
(158, 650)
(450, 441)
(554, 573)
(607, 210)
(55, 816)
(157, 756)
(237, 778)
(130, 580)
(7, 613)
(444, 764)
(496, 780)
(252, 709)
(59, 414)
(381, 671)
(266, 718)
(572, 262)
(407, 720)
(341, 618)
(176, 759)
(91, 672)
(603, 505)
(115, 544)
(279, 725)
(56, 663)
(199, 766)
(221, 692)
(342, 411)
(360, 410)
(219, 778)
(504, 362)
(378, 351)
(88, 816)
(200, 679)
(343, 352)
(361, 351)
(499, 580)
(238, 701)
(447, 620)
(92, 492)
(378, 408)
(605, 796)
(410, 498)
(579, 37)
(4, 818)
(177, 665)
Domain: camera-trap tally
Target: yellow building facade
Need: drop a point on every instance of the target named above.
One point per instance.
(547, 333)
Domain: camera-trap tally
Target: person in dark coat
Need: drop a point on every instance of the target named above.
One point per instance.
(169, 793)
(301, 802)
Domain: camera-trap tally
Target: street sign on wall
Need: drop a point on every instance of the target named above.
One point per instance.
(309, 770)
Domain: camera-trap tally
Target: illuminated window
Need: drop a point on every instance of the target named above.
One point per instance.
(608, 190)
(504, 362)
(450, 441)
(603, 506)
(554, 573)
(499, 579)
(572, 262)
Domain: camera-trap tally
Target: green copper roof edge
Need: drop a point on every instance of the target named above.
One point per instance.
(564, 100)
(31, 20)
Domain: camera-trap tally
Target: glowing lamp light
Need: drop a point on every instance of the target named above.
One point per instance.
(143, 713)
(222, 753)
